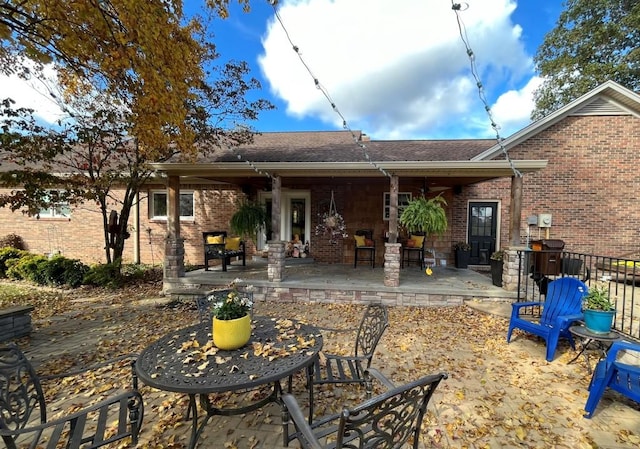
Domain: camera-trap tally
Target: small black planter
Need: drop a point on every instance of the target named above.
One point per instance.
(496, 272)
(462, 258)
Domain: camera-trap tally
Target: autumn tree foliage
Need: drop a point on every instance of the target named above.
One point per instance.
(139, 84)
(593, 41)
(146, 54)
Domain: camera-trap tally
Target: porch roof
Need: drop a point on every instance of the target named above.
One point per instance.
(343, 154)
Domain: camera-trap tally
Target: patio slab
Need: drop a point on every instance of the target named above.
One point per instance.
(498, 395)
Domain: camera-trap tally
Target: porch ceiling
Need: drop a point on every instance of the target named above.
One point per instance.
(447, 173)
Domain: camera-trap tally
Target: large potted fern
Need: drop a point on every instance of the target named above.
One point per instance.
(248, 219)
(425, 215)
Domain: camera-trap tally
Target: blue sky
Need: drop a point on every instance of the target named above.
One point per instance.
(395, 70)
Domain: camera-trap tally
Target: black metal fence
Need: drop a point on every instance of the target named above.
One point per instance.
(622, 276)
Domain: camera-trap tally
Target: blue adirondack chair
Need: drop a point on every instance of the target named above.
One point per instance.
(561, 307)
(611, 373)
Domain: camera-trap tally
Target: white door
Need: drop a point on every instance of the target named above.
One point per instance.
(295, 218)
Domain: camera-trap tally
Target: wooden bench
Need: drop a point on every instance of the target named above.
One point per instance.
(15, 322)
(218, 246)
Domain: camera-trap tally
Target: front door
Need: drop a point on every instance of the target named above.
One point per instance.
(296, 216)
(483, 231)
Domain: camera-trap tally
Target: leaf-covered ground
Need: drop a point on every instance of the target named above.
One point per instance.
(497, 395)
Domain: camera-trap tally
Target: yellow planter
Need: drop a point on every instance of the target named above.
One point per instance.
(231, 334)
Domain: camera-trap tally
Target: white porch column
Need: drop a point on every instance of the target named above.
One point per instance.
(275, 268)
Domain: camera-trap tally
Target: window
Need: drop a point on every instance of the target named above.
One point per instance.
(158, 205)
(57, 208)
(403, 201)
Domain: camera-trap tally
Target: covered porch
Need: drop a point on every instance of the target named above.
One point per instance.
(369, 193)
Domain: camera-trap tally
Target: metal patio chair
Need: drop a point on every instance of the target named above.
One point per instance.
(561, 307)
(386, 421)
(615, 374)
(21, 395)
(338, 369)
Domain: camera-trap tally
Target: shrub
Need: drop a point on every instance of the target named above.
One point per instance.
(104, 275)
(12, 240)
(30, 267)
(60, 271)
(7, 254)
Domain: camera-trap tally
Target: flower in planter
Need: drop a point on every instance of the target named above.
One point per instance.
(461, 246)
(231, 304)
(498, 255)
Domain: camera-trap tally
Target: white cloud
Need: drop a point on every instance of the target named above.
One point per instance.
(512, 110)
(33, 94)
(396, 70)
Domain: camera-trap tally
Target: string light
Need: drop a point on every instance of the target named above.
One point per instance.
(325, 92)
(457, 8)
(241, 158)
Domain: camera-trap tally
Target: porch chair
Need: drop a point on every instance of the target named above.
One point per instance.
(338, 369)
(21, 395)
(414, 247)
(561, 307)
(386, 421)
(618, 374)
(365, 247)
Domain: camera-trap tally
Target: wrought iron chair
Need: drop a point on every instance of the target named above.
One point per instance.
(615, 374)
(338, 369)
(21, 395)
(365, 247)
(561, 307)
(408, 252)
(386, 421)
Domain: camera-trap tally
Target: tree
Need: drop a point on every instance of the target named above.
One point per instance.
(89, 158)
(593, 41)
(146, 54)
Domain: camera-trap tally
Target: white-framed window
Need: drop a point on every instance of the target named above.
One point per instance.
(158, 205)
(55, 209)
(403, 201)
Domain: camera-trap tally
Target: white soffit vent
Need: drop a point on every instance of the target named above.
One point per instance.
(601, 106)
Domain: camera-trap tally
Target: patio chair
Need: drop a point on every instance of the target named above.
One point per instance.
(365, 247)
(386, 421)
(618, 374)
(561, 307)
(338, 369)
(414, 248)
(21, 395)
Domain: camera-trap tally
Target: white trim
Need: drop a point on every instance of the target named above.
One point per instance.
(154, 192)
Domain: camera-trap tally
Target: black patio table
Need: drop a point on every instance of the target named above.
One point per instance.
(185, 361)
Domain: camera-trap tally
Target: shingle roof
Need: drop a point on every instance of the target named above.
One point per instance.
(340, 146)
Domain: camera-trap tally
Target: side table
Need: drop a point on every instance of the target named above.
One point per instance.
(602, 342)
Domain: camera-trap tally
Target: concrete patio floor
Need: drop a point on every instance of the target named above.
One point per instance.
(498, 395)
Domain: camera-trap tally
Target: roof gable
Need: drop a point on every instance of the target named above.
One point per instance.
(610, 98)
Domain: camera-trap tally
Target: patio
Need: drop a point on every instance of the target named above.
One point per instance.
(496, 396)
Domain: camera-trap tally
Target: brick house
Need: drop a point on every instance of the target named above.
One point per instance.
(578, 167)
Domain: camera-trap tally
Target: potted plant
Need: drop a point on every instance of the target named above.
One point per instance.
(598, 309)
(497, 261)
(248, 219)
(425, 215)
(231, 326)
(462, 251)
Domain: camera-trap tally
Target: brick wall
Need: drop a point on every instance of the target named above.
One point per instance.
(590, 186)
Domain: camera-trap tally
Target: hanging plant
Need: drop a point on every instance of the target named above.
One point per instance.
(331, 224)
(425, 215)
(248, 219)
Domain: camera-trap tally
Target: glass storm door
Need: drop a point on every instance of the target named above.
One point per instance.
(482, 232)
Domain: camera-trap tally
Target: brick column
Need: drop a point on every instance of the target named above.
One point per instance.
(275, 268)
(392, 264)
(173, 257)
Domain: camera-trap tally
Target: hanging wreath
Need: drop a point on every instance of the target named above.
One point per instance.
(331, 224)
